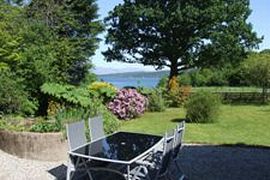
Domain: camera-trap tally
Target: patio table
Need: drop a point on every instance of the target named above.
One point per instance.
(121, 147)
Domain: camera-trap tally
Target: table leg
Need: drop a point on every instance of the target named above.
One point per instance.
(87, 170)
(128, 172)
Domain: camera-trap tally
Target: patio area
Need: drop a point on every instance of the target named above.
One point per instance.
(197, 161)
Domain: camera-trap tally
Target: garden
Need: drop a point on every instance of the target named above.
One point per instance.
(46, 78)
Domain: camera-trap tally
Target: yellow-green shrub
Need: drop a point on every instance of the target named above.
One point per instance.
(103, 90)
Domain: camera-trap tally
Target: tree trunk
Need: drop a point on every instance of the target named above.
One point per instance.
(173, 72)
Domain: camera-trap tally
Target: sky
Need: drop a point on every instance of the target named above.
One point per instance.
(258, 18)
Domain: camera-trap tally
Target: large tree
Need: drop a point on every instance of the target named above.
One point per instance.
(76, 27)
(179, 34)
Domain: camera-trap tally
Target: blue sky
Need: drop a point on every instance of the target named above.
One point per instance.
(259, 19)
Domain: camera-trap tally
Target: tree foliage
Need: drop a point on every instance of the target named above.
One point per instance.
(180, 34)
(47, 41)
(257, 68)
(76, 28)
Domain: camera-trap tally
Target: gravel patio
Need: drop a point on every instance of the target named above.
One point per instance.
(199, 162)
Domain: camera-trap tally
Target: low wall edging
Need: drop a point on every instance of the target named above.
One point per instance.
(37, 146)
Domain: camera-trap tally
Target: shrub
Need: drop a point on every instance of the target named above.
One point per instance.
(156, 102)
(111, 123)
(185, 79)
(128, 104)
(203, 107)
(103, 90)
(163, 82)
(176, 95)
(44, 126)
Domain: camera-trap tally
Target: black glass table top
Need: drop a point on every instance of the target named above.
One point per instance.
(121, 146)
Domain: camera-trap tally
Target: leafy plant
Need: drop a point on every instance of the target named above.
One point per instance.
(103, 90)
(111, 123)
(128, 104)
(67, 94)
(45, 126)
(203, 107)
(156, 102)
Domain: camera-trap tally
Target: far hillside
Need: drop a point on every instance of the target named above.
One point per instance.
(141, 74)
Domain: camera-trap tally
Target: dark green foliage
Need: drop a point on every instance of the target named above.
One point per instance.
(47, 41)
(13, 98)
(203, 107)
(76, 28)
(156, 102)
(180, 34)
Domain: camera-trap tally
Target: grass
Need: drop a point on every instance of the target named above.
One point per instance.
(237, 124)
(228, 89)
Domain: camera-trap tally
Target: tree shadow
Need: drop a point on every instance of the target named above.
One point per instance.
(227, 161)
(178, 120)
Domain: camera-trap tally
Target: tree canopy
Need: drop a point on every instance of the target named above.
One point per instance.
(257, 68)
(180, 34)
(45, 41)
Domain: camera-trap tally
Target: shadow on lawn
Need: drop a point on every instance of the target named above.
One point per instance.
(178, 120)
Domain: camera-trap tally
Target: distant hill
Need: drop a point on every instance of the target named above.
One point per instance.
(140, 74)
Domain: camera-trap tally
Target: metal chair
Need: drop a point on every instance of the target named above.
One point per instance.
(160, 163)
(75, 137)
(178, 145)
(96, 127)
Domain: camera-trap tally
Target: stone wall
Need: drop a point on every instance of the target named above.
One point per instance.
(38, 146)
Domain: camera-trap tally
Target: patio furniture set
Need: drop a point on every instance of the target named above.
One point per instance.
(122, 155)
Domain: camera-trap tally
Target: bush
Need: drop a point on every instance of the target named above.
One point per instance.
(45, 126)
(176, 95)
(111, 123)
(103, 90)
(203, 107)
(128, 104)
(163, 82)
(156, 102)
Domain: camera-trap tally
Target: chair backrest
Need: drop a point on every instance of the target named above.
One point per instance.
(179, 134)
(96, 127)
(76, 134)
(167, 152)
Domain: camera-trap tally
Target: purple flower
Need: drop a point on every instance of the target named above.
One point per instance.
(128, 104)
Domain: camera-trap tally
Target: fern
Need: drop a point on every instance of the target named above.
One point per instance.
(67, 93)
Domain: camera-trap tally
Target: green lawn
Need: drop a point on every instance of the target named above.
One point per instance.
(228, 89)
(245, 124)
